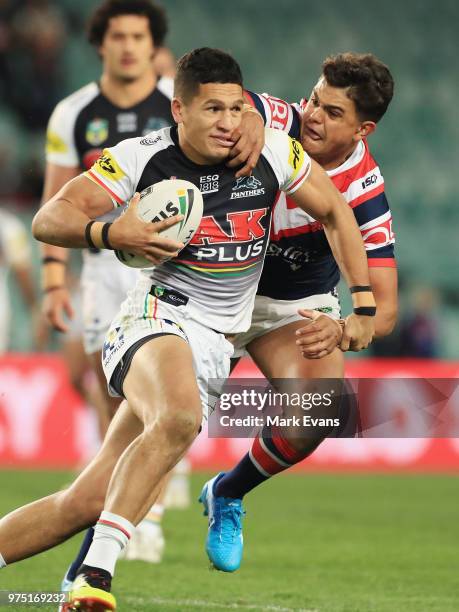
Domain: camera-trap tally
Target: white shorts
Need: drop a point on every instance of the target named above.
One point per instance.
(104, 283)
(269, 314)
(143, 315)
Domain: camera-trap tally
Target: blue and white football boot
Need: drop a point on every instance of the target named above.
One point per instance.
(224, 544)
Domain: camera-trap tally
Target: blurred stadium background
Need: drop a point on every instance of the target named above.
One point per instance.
(280, 45)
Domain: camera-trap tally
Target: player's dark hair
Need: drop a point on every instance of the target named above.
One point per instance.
(368, 81)
(202, 66)
(98, 22)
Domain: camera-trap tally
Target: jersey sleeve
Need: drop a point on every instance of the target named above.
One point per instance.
(118, 170)
(60, 140)
(288, 160)
(371, 209)
(276, 113)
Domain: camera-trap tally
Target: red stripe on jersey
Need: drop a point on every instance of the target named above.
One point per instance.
(116, 526)
(265, 460)
(202, 264)
(104, 186)
(155, 308)
(249, 98)
(298, 180)
(297, 231)
(382, 262)
(366, 196)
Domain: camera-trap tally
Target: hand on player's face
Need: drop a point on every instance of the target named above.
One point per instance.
(320, 335)
(130, 233)
(358, 332)
(249, 140)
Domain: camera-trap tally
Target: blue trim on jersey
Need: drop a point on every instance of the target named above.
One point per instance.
(296, 125)
(371, 209)
(383, 252)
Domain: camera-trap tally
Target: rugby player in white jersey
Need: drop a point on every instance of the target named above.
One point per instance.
(299, 277)
(176, 322)
(129, 100)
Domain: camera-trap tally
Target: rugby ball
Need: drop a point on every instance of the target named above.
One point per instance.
(167, 199)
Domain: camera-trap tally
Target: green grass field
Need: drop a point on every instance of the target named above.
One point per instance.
(322, 543)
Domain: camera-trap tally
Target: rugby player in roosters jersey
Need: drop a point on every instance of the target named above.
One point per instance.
(300, 275)
(169, 337)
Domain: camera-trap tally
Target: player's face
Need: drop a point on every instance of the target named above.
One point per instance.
(330, 127)
(127, 48)
(207, 121)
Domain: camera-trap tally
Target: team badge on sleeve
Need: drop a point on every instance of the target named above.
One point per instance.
(108, 167)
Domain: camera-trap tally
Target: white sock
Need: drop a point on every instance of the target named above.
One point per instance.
(2, 561)
(111, 534)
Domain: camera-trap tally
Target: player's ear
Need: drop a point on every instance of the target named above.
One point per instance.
(365, 129)
(177, 110)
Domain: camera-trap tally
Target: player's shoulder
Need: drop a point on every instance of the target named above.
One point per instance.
(166, 86)
(142, 147)
(73, 104)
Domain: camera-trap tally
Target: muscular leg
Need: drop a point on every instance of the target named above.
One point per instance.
(277, 356)
(171, 414)
(53, 519)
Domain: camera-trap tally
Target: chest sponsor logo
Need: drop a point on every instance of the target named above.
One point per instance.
(126, 122)
(108, 167)
(155, 123)
(245, 226)
(97, 131)
(247, 186)
(209, 183)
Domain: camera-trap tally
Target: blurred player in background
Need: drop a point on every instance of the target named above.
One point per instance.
(300, 275)
(129, 100)
(15, 258)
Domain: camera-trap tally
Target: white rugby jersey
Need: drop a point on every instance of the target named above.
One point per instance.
(219, 270)
(299, 261)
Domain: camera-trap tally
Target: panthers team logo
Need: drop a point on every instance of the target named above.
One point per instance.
(246, 182)
(97, 132)
(247, 186)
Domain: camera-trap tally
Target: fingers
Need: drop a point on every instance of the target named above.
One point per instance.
(160, 226)
(133, 203)
(309, 314)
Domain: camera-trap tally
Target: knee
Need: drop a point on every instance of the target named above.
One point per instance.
(181, 425)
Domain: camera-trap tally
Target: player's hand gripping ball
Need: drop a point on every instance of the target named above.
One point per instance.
(161, 201)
